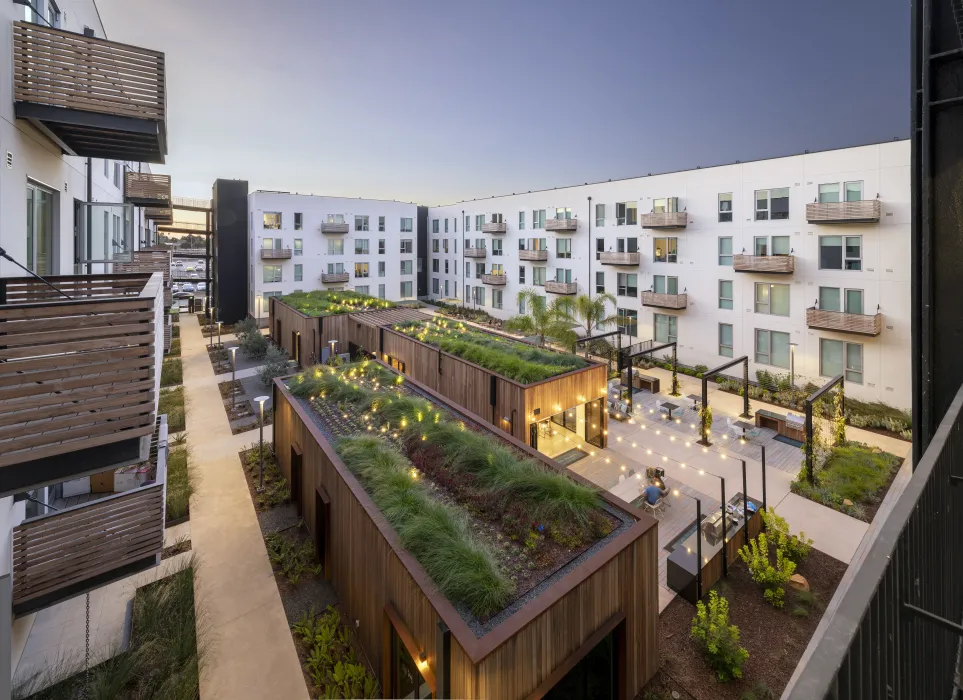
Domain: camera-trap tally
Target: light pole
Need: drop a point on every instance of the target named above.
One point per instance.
(218, 334)
(260, 405)
(210, 322)
(792, 367)
(332, 343)
(233, 376)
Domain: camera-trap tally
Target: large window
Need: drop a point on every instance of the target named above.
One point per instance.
(298, 272)
(538, 276)
(600, 215)
(435, 265)
(298, 246)
(381, 224)
(628, 320)
(838, 192)
(360, 223)
(361, 288)
(662, 284)
(496, 298)
(772, 348)
(272, 220)
(521, 221)
(335, 268)
(563, 213)
(479, 221)
(628, 285)
(772, 204)
(665, 204)
(725, 207)
(725, 250)
(272, 273)
(381, 268)
(840, 252)
(772, 299)
(626, 214)
(627, 245)
(435, 246)
(335, 218)
(406, 267)
(298, 221)
(381, 290)
(360, 246)
(434, 225)
(361, 269)
(521, 274)
(837, 357)
(538, 218)
(849, 301)
(406, 246)
(563, 247)
(666, 328)
(774, 245)
(725, 339)
(406, 289)
(40, 238)
(599, 248)
(725, 294)
(665, 250)
(479, 295)
(600, 282)
(563, 275)
(497, 247)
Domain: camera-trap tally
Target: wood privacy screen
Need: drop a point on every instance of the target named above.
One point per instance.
(63, 69)
(781, 264)
(81, 373)
(147, 189)
(863, 324)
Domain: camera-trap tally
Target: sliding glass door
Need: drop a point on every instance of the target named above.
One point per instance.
(40, 217)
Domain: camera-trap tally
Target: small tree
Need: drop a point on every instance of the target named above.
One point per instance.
(719, 639)
(839, 417)
(796, 547)
(705, 420)
(676, 387)
(254, 345)
(772, 577)
(275, 365)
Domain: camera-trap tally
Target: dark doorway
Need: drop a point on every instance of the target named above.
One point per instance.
(406, 679)
(322, 527)
(533, 435)
(277, 332)
(296, 346)
(297, 478)
(595, 422)
(594, 677)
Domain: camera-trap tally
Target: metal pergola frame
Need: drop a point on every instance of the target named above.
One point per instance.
(815, 396)
(626, 357)
(704, 439)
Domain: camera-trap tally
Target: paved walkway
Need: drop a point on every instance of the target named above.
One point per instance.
(252, 652)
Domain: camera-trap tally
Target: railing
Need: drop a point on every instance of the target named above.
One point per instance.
(476, 252)
(164, 216)
(561, 224)
(865, 211)
(862, 324)
(63, 553)
(147, 262)
(533, 255)
(192, 203)
(81, 373)
(147, 189)
(333, 227)
(497, 227)
(892, 629)
(665, 301)
(779, 264)
(499, 280)
(334, 277)
(619, 258)
(665, 219)
(561, 287)
(184, 225)
(276, 253)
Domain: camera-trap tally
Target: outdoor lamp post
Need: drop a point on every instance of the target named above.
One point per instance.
(219, 334)
(233, 377)
(260, 406)
(332, 343)
(792, 366)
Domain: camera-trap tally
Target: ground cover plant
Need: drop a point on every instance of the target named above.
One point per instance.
(508, 357)
(171, 402)
(180, 483)
(327, 303)
(172, 372)
(275, 490)
(332, 663)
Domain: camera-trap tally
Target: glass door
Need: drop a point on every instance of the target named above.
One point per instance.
(406, 680)
(40, 230)
(595, 422)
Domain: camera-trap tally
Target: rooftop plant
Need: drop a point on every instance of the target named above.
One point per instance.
(329, 303)
(510, 358)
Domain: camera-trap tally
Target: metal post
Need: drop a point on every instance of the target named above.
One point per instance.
(745, 502)
(210, 324)
(702, 413)
(219, 334)
(233, 378)
(698, 548)
(809, 442)
(725, 559)
(745, 389)
(260, 474)
(764, 502)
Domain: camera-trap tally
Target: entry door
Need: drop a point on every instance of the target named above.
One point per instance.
(297, 478)
(322, 529)
(296, 346)
(40, 243)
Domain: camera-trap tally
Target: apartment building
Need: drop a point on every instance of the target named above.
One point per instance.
(304, 242)
(801, 263)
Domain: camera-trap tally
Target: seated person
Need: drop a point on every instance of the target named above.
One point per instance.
(653, 493)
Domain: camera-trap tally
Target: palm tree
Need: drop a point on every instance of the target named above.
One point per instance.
(588, 312)
(543, 320)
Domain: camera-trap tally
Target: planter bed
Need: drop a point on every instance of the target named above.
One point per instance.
(172, 372)
(180, 485)
(172, 403)
(178, 547)
(327, 303)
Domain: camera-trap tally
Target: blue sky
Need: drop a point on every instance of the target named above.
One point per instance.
(431, 101)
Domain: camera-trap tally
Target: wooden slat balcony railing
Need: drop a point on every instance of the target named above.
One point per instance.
(79, 377)
(496, 280)
(665, 301)
(860, 324)
(561, 224)
(333, 227)
(67, 552)
(533, 255)
(865, 211)
(276, 253)
(476, 252)
(94, 98)
(665, 219)
(334, 277)
(561, 287)
(147, 261)
(162, 216)
(774, 264)
(497, 227)
(147, 189)
(627, 259)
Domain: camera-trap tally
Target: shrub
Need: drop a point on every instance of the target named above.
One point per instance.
(171, 402)
(254, 345)
(771, 577)
(275, 365)
(331, 661)
(292, 559)
(175, 350)
(705, 419)
(719, 639)
(172, 372)
(839, 419)
(796, 547)
(245, 326)
(854, 472)
(180, 483)
(175, 331)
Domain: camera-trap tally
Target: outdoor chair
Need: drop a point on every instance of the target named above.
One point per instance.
(656, 508)
(734, 429)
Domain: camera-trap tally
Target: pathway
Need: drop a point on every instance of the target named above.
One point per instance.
(252, 652)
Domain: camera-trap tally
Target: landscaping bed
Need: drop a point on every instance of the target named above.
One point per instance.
(327, 303)
(179, 547)
(171, 402)
(172, 372)
(333, 662)
(180, 484)
(243, 417)
(175, 350)
(467, 314)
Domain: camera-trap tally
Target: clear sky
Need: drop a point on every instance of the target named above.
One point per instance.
(436, 101)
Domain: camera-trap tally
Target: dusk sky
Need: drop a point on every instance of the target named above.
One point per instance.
(435, 102)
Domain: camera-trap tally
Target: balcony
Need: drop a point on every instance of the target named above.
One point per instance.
(665, 219)
(626, 259)
(475, 252)
(276, 253)
(162, 216)
(665, 301)
(499, 280)
(92, 97)
(148, 261)
(533, 255)
(67, 552)
(334, 277)
(766, 264)
(496, 227)
(862, 212)
(334, 227)
(147, 189)
(561, 224)
(860, 324)
(79, 377)
(561, 287)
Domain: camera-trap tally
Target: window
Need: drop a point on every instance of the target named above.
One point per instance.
(444, 245)
(298, 221)
(626, 214)
(599, 248)
(725, 339)
(272, 243)
(406, 290)
(298, 246)
(600, 215)
(665, 204)
(406, 225)
(780, 245)
(272, 219)
(361, 288)
(335, 218)
(627, 245)
(563, 248)
(772, 204)
(335, 268)
(830, 192)
(406, 246)
(496, 298)
(725, 250)
(272, 273)
(521, 274)
(666, 328)
(361, 269)
(538, 276)
(521, 221)
(360, 223)
(538, 218)
(628, 322)
(479, 295)
(772, 348)
(725, 211)
(446, 225)
(521, 305)
(628, 285)
(381, 291)
(832, 354)
(840, 252)
(360, 246)
(665, 250)
(849, 301)
(298, 272)
(117, 170)
(467, 270)
(479, 221)
(479, 269)
(563, 275)
(106, 162)
(406, 267)
(772, 299)
(467, 223)
(497, 246)
(725, 294)
(336, 247)
(434, 285)
(381, 224)
(435, 267)
(434, 246)
(40, 237)
(600, 283)
(381, 268)
(446, 267)
(563, 213)
(661, 284)
(434, 225)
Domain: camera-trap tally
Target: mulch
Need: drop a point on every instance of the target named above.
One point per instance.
(775, 639)
(175, 549)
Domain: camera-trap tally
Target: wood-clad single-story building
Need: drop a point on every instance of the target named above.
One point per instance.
(595, 616)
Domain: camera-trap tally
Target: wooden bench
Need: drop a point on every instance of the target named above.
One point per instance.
(618, 410)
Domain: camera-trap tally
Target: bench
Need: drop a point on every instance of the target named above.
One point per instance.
(619, 410)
